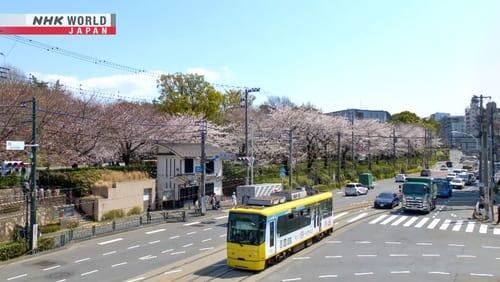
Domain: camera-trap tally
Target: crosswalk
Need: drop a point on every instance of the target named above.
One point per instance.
(457, 225)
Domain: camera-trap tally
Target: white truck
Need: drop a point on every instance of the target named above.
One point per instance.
(245, 192)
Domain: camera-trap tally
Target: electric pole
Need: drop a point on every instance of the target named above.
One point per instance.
(251, 157)
(201, 190)
(369, 154)
(247, 91)
(290, 158)
(352, 143)
(33, 225)
(491, 108)
(338, 158)
(408, 156)
(394, 140)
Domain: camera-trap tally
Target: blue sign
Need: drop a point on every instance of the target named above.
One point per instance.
(198, 168)
(282, 172)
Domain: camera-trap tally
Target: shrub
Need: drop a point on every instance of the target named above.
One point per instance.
(12, 250)
(134, 210)
(11, 180)
(322, 187)
(50, 228)
(45, 244)
(113, 214)
(72, 223)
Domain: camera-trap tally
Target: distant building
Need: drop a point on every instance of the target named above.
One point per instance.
(356, 114)
(439, 116)
(472, 113)
(454, 134)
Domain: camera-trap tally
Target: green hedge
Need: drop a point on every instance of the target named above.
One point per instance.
(12, 250)
(113, 214)
(10, 181)
(45, 244)
(134, 211)
(50, 228)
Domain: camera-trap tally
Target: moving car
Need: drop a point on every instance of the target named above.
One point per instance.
(386, 200)
(450, 176)
(425, 173)
(400, 177)
(444, 168)
(449, 164)
(457, 183)
(355, 189)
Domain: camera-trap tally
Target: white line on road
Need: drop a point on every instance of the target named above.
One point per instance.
(206, 229)
(62, 280)
(363, 242)
(433, 223)
(424, 244)
(340, 215)
(393, 243)
(465, 256)
(431, 255)
(148, 257)
(154, 242)
(52, 267)
(178, 253)
(401, 219)
(167, 251)
(291, 279)
(109, 253)
(363, 273)
(136, 279)
(400, 272)
(439, 272)
(221, 217)
(410, 222)
(223, 235)
(82, 260)
(481, 274)
(206, 240)
(206, 249)
(300, 258)
(378, 219)
(328, 276)
(496, 231)
(333, 242)
(174, 237)
(458, 225)
(172, 271)
(490, 247)
(15, 277)
(456, 245)
(133, 247)
(90, 272)
(389, 219)
(109, 242)
(483, 229)
(358, 217)
(119, 264)
(192, 223)
(398, 255)
(470, 227)
(445, 225)
(187, 245)
(155, 231)
(328, 257)
(366, 256)
(422, 222)
(191, 233)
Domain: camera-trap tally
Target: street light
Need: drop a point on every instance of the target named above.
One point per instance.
(466, 134)
(247, 90)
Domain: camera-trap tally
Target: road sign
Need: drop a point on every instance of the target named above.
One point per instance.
(198, 168)
(282, 172)
(15, 145)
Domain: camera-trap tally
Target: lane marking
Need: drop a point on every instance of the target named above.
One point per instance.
(422, 222)
(431, 255)
(301, 258)
(328, 276)
(424, 244)
(490, 247)
(465, 256)
(291, 279)
(401, 219)
(206, 229)
(389, 219)
(358, 217)
(328, 257)
(119, 264)
(62, 280)
(456, 245)
(187, 245)
(393, 243)
(410, 222)
(439, 272)
(458, 225)
(133, 247)
(496, 231)
(221, 217)
(154, 242)
(178, 253)
(363, 242)
(481, 274)
(398, 255)
(366, 256)
(155, 231)
(445, 225)
(206, 249)
(433, 223)
(470, 227)
(167, 251)
(400, 272)
(109, 253)
(136, 279)
(82, 260)
(148, 257)
(52, 267)
(16, 277)
(483, 229)
(333, 242)
(378, 219)
(206, 240)
(90, 272)
(174, 237)
(192, 223)
(191, 233)
(339, 215)
(172, 271)
(109, 242)
(223, 235)
(363, 273)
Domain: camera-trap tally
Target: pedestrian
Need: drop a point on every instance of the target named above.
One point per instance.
(235, 200)
(498, 213)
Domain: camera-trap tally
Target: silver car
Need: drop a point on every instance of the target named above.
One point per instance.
(355, 189)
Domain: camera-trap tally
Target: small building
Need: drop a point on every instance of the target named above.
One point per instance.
(178, 173)
(358, 114)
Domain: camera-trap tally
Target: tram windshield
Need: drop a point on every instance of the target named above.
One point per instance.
(246, 228)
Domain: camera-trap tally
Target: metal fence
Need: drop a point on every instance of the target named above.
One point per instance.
(87, 232)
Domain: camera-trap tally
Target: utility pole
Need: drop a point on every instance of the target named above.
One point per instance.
(483, 156)
(408, 155)
(424, 148)
(352, 143)
(429, 155)
(491, 108)
(369, 154)
(251, 158)
(290, 158)
(247, 91)
(394, 140)
(201, 190)
(33, 225)
(338, 158)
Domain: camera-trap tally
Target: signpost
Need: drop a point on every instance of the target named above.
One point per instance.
(198, 169)
(15, 145)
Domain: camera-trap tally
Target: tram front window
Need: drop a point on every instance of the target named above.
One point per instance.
(246, 228)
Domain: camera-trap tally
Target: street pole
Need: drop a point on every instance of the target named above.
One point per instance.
(424, 148)
(491, 107)
(290, 160)
(352, 144)
(394, 147)
(338, 158)
(33, 225)
(201, 191)
(369, 154)
(408, 156)
(251, 158)
(247, 181)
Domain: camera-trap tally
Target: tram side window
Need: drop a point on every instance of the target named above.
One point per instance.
(293, 221)
(326, 208)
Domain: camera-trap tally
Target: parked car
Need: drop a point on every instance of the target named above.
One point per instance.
(355, 189)
(425, 173)
(450, 176)
(400, 177)
(444, 168)
(386, 200)
(457, 183)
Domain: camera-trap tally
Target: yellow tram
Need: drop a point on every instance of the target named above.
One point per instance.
(259, 236)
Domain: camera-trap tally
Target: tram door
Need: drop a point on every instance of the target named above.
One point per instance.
(317, 217)
(271, 246)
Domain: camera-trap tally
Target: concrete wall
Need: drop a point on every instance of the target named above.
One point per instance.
(45, 215)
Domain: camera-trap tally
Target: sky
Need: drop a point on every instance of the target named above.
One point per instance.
(416, 55)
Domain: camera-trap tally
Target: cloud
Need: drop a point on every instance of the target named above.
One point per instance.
(221, 74)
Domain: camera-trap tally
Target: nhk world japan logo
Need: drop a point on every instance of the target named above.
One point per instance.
(58, 24)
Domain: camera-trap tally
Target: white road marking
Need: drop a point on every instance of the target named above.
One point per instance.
(363, 242)
(393, 243)
(301, 258)
(52, 267)
(465, 256)
(172, 271)
(206, 240)
(192, 223)
(458, 225)
(401, 219)
(62, 280)
(16, 277)
(340, 215)
(400, 272)
(191, 233)
(133, 247)
(378, 219)
(187, 245)
(410, 222)
(328, 257)
(496, 231)
(490, 247)
(431, 255)
(178, 253)
(174, 237)
(328, 276)
(154, 242)
(148, 257)
(333, 242)
(363, 273)
(206, 249)
(206, 229)
(136, 279)
(109, 253)
(167, 251)
(119, 264)
(155, 231)
(82, 260)
(366, 256)
(445, 225)
(483, 228)
(291, 279)
(90, 272)
(223, 235)
(389, 219)
(398, 255)
(422, 222)
(481, 274)
(109, 242)
(358, 217)
(433, 223)
(456, 245)
(424, 244)
(470, 227)
(221, 217)
(439, 272)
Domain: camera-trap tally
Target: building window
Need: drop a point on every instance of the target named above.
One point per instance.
(209, 188)
(188, 166)
(210, 167)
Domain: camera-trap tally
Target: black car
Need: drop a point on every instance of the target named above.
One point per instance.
(386, 200)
